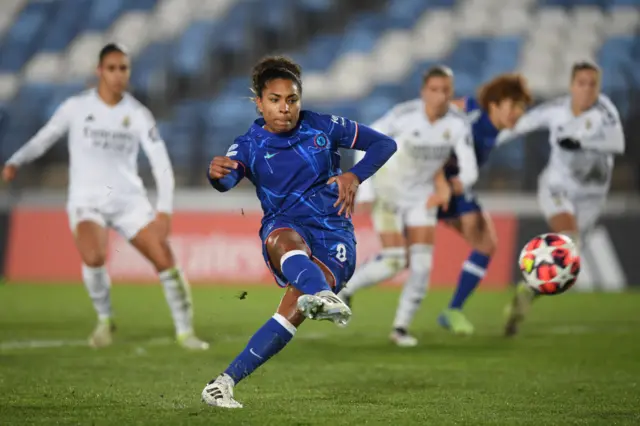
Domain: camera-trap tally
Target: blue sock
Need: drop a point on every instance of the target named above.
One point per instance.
(268, 341)
(473, 270)
(302, 273)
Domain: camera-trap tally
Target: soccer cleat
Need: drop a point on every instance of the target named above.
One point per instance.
(455, 321)
(516, 310)
(346, 298)
(219, 393)
(102, 335)
(324, 305)
(401, 338)
(190, 341)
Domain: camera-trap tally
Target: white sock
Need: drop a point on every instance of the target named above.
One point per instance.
(98, 285)
(415, 288)
(385, 265)
(178, 295)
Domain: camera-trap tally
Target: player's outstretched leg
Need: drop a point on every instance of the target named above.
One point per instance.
(413, 292)
(176, 288)
(477, 228)
(289, 254)
(384, 266)
(270, 339)
(91, 241)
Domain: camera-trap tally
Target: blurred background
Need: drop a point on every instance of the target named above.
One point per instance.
(191, 67)
(192, 58)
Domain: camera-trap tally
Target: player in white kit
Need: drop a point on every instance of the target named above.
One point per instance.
(427, 131)
(106, 127)
(585, 133)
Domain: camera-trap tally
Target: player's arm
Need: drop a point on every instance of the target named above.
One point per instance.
(156, 151)
(534, 119)
(610, 137)
(467, 163)
(48, 135)
(366, 193)
(226, 171)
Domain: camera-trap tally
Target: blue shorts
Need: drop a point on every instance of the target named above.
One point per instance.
(334, 248)
(459, 206)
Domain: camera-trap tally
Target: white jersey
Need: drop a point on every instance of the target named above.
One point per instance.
(103, 148)
(599, 131)
(407, 179)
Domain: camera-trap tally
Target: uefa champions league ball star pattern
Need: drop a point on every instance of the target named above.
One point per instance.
(550, 263)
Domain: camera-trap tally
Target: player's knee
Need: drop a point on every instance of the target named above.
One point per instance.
(420, 258)
(283, 241)
(93, 258)
(488, 245)
(395, 258)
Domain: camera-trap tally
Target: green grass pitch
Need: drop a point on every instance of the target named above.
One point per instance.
(576, 362)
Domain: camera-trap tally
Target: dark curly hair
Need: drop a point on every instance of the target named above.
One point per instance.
(271, 68)
(505, 86)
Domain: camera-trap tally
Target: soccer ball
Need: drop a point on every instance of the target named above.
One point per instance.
(550, 263)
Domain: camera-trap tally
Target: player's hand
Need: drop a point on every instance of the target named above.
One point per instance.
(365, 207)
(569, 144)
(440, 198)
(163, 224)
(348, 184)
(221, 166)
(9, 172)
(457, 186)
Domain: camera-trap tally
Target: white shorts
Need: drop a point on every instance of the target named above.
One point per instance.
(586, 207)
(126, 216)
(389, 218)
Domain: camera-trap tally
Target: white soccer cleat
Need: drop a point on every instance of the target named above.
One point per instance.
(102, 335)
(324, 305)
(403, 339)
(219, 393)
(191, 342)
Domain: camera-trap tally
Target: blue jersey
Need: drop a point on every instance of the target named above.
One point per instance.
(290, 172)
(485, 135)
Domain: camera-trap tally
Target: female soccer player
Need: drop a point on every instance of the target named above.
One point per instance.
(291, 156)
(584, 132)
(501, 102)
(428, 130)
(106, 128)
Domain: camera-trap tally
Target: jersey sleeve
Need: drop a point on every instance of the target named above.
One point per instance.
(365, 192)
(534, 119)
(238, 151)
(466, 158)
(156, 151)
(49, 134)
(609, 137)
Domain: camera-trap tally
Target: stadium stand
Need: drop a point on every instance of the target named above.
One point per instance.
(191, 57)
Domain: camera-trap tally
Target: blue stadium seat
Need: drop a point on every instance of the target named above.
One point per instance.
(319, 54)
(275, 15)
(234, 34)
(405, 13)
(624, 2)
(24, 35)
(65, 25)
(192, 48)
(316, 6)
(103, 13)
(152, 58)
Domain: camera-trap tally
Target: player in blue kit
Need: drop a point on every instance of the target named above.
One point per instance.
(292, 158)
(501, 102)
